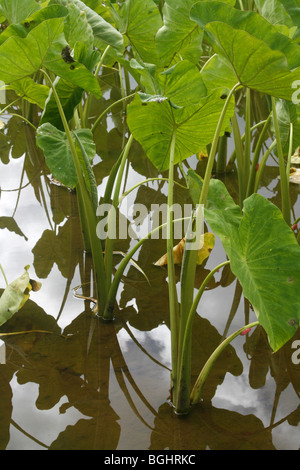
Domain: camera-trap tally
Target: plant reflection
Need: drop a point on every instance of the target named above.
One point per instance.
(86, 362)
(76, 364)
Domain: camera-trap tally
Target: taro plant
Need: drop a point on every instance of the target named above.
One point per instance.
(51, 58)
(258, 241)
(193, 62)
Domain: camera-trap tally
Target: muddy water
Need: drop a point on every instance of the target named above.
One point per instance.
(82, 384)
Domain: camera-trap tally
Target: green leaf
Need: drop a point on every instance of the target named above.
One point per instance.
(43, 46)
(182, 83)
(55, 146)
(179, 34)
(103, 31)
(69, 96)
(32, 91)
(21, 30)
(280, 12)
(69, 93)
(218, 74)
(205, 13)
(222, 210)
(141, 20)
(15, 295)
(287, 114)
(264, 255)
(16, 11)
(267, 264)
(77, 28)
(253, 47)
(195, 127)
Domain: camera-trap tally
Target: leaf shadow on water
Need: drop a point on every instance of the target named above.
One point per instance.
(80, 366)
(77, 363)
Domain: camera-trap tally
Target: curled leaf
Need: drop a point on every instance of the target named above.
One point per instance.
(16, 294)
(296, 157)
(294, 176)
(207, 242)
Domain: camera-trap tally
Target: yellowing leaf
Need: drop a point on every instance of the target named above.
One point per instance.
(15, 295)
(294, 176)
(203, 253)
(296, 157)
(202, 155)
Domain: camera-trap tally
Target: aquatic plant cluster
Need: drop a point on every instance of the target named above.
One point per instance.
(197, 66)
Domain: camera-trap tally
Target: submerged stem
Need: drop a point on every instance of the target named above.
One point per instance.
(108, 313)
(197, 389)
(183, 402)
(111, 219)
(181, 387)
(173, 300)
(86, 206)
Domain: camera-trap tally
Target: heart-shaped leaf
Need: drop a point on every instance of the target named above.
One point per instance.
(264, 255)
(55, 146)
(43, 46)
(253, 47)
(32, 91)
(182, 83)
(179, 34)
(194, 125)
(140, 20)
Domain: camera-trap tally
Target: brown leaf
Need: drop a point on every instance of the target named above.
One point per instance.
(203, 253)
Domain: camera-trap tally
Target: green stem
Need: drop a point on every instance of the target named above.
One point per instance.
(288, 166)
(214, 146)
(285, 199)
(222, 155)
(24, 119)
(262, 165)
(197, 389)
(148, 180)
(183, 397)
(5, 279)
(86, 206)
(173, 300)
(108, 257)
(239, 152)
(99, 118)
(108, 313)
(9, 105)
(233, 155)
(121, 82)
(247, 147)
(256, 154)
(188, 270)
(87, 105)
